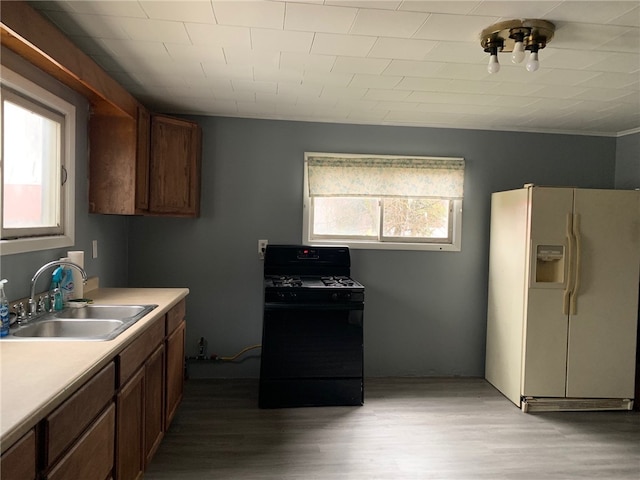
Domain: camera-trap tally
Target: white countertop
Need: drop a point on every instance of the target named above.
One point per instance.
(37, 376)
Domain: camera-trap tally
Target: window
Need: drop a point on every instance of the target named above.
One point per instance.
(383, 202)
(37, 167)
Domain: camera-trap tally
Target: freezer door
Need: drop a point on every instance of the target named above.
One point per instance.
(602, 332)
(546, 324)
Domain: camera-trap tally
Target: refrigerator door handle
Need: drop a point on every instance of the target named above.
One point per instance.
(573, 308)
(566, 299)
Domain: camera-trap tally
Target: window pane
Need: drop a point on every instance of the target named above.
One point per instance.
(345, 216)
(31, 187)
(416, 218)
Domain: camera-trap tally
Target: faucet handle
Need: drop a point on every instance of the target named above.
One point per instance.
(41, 307)
(52, 300)
(20, 311)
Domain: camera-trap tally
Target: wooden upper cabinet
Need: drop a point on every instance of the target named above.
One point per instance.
(112, 164)
(174, 166)
(149, 165)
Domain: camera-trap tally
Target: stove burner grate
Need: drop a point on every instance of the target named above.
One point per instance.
(286, 281)
(337, 281)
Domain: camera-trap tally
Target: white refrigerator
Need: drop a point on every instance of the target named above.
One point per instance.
(564, 269)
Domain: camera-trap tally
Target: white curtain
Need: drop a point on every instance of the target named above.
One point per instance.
(385, 176)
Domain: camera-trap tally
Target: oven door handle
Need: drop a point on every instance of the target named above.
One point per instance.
(314, 306)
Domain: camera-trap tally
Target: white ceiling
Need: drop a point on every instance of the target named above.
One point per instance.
(383, 62)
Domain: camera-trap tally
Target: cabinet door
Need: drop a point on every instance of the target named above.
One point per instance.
(175, 371)
(154, 403)
(142, 160)
(130, 429)
(112, 164)
(174, 173)
(19, 462)
(91, 457)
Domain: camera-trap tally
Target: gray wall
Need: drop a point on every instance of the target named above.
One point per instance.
(628, 161)
(425, 312)
(110, 231)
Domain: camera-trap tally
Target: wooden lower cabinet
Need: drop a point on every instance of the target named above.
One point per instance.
(130, 428)
(153, 403)
(67, 422)
(148, 398)
(19, 462)
(175, 371)
(78, 436)
(110, 427)
(91, 457)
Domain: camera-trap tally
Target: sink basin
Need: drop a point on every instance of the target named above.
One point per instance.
(117, 312)
(92, 322)
(69, 328)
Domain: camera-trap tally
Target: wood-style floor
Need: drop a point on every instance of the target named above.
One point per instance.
(408, 429)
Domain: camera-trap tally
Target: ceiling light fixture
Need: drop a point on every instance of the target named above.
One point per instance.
(518, 37)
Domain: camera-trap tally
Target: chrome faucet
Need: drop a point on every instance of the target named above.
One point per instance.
(31, 307)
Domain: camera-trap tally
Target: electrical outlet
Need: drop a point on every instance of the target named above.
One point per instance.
(262, 247)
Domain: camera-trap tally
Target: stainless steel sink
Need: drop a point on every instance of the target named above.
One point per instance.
(69, 328)
(92, 322)
(118, 312)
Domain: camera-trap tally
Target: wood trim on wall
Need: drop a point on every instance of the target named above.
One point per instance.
(36, 39)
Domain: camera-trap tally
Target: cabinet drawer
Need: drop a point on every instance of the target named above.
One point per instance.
(19, 462)
(132, 357)
(175, 316)
(68, 421)
(91, 458)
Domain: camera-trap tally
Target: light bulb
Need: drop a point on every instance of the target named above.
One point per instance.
(518, 52)
(494, 66)
(533, 64)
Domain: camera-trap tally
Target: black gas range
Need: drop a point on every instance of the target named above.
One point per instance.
(312, 339)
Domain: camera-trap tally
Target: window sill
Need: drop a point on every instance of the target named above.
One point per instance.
(371, 245)
(24, 245)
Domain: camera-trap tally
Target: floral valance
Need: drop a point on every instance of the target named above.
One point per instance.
(384, 176)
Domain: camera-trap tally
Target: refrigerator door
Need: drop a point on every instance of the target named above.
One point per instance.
(546, 324)
(602, 331)
(507, 291)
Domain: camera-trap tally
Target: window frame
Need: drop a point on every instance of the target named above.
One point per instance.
(40, 96)
(394, 243)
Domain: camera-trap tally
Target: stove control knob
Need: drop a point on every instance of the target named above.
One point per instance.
(334, 296)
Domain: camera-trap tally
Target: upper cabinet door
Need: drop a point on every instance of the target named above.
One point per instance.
(174, 169)
(142, 160)
(112, 164)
